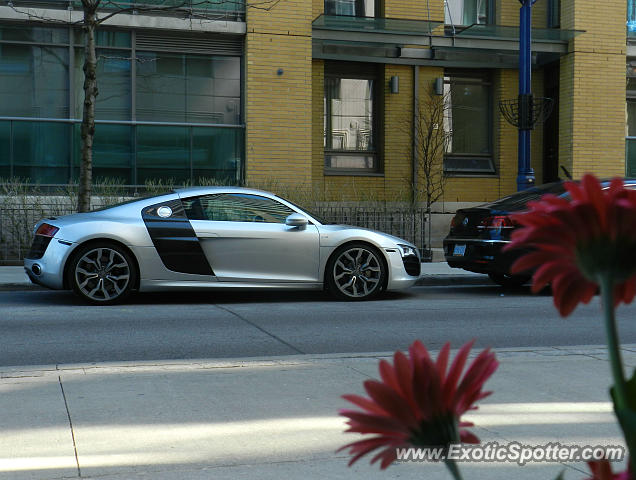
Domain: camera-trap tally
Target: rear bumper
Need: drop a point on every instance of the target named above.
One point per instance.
(50, 266)
(480, 256)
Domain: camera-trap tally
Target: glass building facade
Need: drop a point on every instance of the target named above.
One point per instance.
(168, 108)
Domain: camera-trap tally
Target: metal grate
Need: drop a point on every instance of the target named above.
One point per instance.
(210, 44)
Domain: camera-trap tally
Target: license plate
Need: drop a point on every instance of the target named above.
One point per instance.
(459, 250)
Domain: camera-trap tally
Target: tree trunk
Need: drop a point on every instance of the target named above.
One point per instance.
(88, 111)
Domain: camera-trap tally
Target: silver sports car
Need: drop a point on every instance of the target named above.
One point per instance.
(214, 237)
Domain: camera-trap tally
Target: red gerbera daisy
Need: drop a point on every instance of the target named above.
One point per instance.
(576, 243)
(418, 403)
(602, 470)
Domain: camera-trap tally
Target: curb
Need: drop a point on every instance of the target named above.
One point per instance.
(450, 280)
(598, 352)
(19, 287)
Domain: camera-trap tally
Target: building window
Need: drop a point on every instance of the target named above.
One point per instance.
(353, 8)
(468, 115)
(351, 119)
(630, 125)
(188, 88)
(170, 116)
(554, 13)
(467, 12)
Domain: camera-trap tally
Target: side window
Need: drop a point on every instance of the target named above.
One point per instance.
(236, 207)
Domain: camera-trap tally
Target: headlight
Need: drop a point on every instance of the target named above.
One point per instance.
(407, 250)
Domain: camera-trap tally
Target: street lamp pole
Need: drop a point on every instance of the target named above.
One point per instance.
(525, 173)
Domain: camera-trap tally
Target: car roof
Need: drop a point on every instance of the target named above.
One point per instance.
(194, 191)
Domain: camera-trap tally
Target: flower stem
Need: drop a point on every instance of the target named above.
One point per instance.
(621, 405)
(613, 345)
(454, 469)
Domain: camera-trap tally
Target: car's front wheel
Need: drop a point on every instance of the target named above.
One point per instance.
(355, 272)
(102, 273)
(509, 281)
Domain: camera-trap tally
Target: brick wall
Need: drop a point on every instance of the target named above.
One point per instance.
(278, 107)
(285, 112)
(592, 113)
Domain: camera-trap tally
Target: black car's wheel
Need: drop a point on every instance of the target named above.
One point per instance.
(509, 280)
(355, 272)
(102, 273)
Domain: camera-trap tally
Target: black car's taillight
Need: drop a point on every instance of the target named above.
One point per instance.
(41, 240)
(498, 226)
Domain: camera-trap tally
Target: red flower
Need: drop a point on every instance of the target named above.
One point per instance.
(602, 470)
(575, 243)
(418, 403)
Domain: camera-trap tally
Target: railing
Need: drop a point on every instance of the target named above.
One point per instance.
(17, 220)
(18, 216)
(403, 223)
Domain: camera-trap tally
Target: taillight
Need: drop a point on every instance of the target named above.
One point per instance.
(497, 222)
(46, 230)
(453, 222)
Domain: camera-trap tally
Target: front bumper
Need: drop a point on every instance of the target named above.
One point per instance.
(479, 255)
(403, 271)
(48, 271)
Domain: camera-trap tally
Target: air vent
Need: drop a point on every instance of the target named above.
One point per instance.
(210, 44)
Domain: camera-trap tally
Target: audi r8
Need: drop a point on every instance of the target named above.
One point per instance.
(214, 237)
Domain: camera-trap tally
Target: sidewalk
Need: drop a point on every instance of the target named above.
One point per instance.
(436, 273)
(276, 418)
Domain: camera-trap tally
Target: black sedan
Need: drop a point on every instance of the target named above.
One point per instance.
(478, 234)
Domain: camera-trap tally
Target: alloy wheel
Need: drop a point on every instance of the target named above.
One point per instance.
(357, 272)
(102, 274)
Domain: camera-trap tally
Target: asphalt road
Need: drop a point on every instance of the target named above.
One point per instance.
(46, 327)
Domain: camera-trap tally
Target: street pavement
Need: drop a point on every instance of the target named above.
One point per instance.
(276, 417)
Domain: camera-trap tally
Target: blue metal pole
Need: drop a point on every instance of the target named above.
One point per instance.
(525, 173)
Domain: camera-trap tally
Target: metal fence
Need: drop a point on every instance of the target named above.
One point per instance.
(404, 223)
(17, 219)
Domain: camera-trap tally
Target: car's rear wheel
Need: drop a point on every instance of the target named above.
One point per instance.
(509, 281)
(355, 272)
(102, 273)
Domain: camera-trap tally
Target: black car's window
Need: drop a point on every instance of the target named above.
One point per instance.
(518, 201)
(236, 207)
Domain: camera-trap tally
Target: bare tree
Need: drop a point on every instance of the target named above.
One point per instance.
(89, 23)
(431, 138)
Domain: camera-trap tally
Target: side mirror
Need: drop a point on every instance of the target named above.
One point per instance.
(296, 220)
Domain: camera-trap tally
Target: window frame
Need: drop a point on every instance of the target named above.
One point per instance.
(554, 14)
(375, 72)
(472, 77)
(490, 15)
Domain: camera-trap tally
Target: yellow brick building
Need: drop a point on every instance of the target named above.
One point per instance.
(303, 58)
(318, 96)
